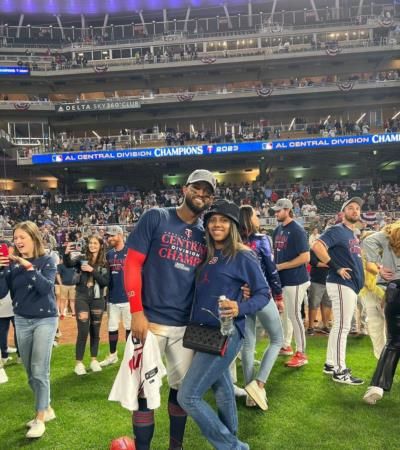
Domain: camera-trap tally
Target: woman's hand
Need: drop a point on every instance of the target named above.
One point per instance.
(246, 291)
(228, 308)
(385, 273)
(4, 261)
(69, 248)
(86, 268)
(21, 261)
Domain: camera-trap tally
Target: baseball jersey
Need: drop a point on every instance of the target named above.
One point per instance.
(141, 369)
(289, 242)
(173, 249)
(344, 248)
(116, 260)
(226, 276)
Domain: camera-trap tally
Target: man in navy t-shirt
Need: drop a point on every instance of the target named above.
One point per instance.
(118, 306)
(292, 253)
(339, 248)
(164, 250)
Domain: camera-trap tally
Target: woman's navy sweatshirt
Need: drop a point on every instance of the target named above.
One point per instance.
(261, 246)
(226, 276)
(32, 291)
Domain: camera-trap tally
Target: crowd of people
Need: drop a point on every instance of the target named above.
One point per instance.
(220, 274)
(57, 213)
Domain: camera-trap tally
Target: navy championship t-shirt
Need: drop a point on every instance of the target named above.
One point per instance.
(344, 248)
(174, 250)
(116, 261)
(289, 241)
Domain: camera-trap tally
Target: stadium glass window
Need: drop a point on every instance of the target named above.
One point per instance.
(116, 54)
(125, 53)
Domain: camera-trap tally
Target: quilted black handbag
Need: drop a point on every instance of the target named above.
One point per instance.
(206, 339)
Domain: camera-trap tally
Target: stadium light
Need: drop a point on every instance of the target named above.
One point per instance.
(396, 115)
(361, 118)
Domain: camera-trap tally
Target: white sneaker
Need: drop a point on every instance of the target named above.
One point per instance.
(95, 366)
(80, 369)
(6, 360)
(250, 403)
(239, 392)
(257, 394)
(112, 358)
(11, 350)
(373, 394)
(49, 414)
(37, 429)
(3, 376)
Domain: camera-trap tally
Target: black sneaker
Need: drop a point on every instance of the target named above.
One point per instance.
(328, 369)
(345, 377)
(324, 330)
(310, 331)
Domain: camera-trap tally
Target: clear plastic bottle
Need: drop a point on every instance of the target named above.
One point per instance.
(227, 326)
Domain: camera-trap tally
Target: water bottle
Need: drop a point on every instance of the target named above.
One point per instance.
(227, 326)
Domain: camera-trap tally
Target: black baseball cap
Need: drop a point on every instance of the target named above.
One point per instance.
(225, 208)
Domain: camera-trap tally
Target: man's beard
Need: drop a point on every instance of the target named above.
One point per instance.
(351, 220)
(195, 209)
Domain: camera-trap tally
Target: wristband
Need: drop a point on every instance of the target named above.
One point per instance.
(331, 263)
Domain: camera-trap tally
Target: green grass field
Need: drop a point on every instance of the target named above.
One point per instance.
(307, 410)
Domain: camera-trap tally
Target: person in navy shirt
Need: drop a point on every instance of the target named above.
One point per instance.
(118, 308)
(292, 254)
(229, 264)
(268, 316)
(164, 250)
(339, 248)
(29, 274)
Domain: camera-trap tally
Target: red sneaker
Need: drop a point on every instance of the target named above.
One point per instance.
(286, 351)
(298, 360)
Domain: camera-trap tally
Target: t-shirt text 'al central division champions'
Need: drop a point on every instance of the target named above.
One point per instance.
(173, 249)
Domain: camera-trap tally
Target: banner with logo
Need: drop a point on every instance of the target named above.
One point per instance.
(216, 149)
(99, 106)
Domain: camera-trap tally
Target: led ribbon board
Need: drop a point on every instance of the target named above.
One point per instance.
(216, 149)
(14, 71)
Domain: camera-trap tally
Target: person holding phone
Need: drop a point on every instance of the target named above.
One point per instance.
(89, 302)
(29, 274)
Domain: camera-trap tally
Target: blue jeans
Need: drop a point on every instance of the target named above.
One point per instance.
(271, 322)
(211, 371)
(35, 341)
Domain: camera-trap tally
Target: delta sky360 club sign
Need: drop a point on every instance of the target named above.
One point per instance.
(97, 106)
